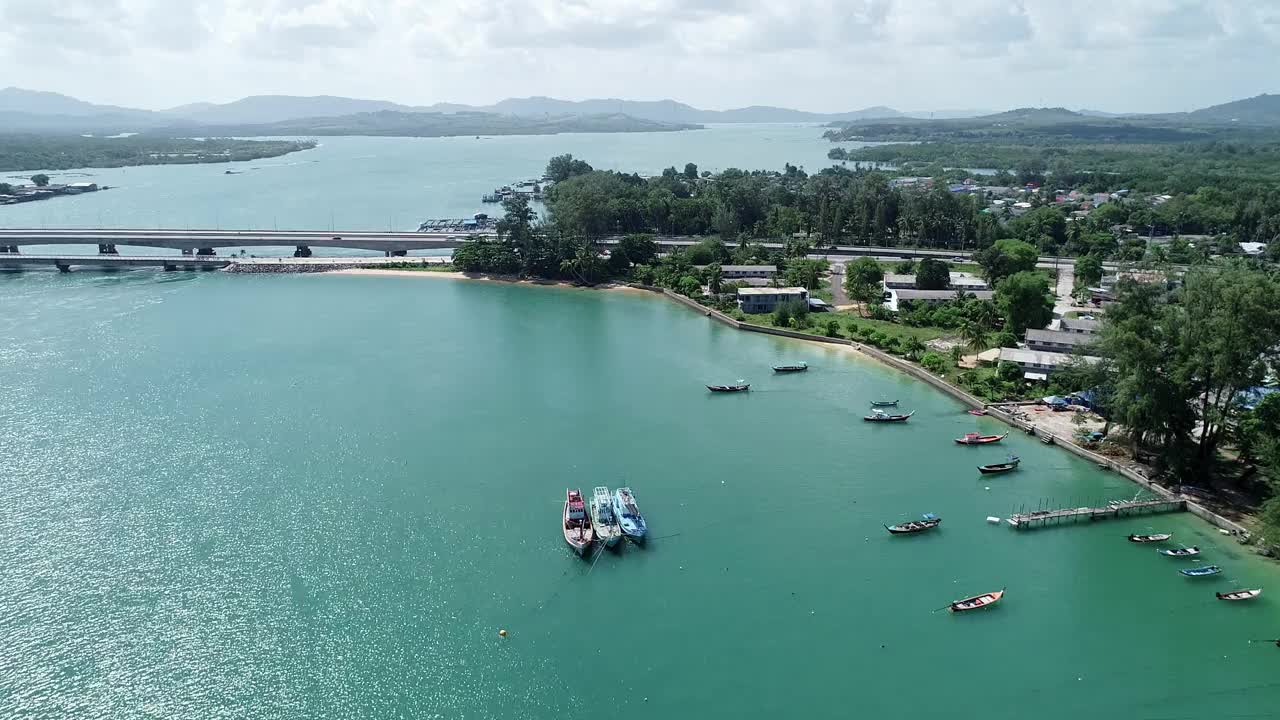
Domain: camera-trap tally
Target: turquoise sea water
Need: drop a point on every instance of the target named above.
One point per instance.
(322, 497)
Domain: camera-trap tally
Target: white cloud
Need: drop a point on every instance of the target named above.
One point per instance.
(818, 54)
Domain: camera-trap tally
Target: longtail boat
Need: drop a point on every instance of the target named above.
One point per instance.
(1006, 466)
(743, 387)
(976, 439)
(1155, 537)
(798, 367)
(1181, 552)
(629, 517)
(977, 601)
(607, 529)
(882, 416)
(884, 403)
(577, 524)
(1242, 595)
(1202, 571)
(929, 522)
(979, 413)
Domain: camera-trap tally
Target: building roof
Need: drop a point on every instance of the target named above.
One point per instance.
(752, 281)
(749, 268)
(958, 280)
(772, 291)
(912, 294)
(1088, 326)
(1038, 357)
(1058, 336)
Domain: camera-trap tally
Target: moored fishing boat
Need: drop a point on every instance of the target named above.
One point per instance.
(979, 413)
(977, 601)
(1201, 571)
(577, 525)
(929, 522)
(1006, 466)
(1181, 552)
(884, 403)
(798, 367)
(1154, 537)
(740, 387)
(1241, 595)
(882, 416)
(628, 514)
(976, 439)
(607, 529)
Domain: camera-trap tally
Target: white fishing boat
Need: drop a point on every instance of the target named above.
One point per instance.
(629, 517)
(608, 531)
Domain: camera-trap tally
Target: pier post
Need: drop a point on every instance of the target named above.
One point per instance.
(397, 253)
(302, 251)
(107, 249)
(205, 251)
(62, 265)
(9, 249)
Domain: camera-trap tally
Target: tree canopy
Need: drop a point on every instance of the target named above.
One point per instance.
(932, 274)
(1025, 301)
(1006, 257)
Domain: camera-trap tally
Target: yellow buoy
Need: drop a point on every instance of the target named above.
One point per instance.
(502, 633)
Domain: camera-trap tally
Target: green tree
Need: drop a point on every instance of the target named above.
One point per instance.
(6, 189)
(1025, 301)
(40, 180)
(715, 275)
(905, 267)
(862, 279)
(690, 171)
(933, 275)
(806, 273)
(912, 347)
(1088, 271)
(833, 329)
(932, 362)
(974, 336)
(563, 167)
(1006, 257)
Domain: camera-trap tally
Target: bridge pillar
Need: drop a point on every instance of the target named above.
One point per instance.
(302, 251)
(168, 267)
(9, 249)
(187, 251)
(107, 249)
(205, 251)
(62, 266)
(397, 253)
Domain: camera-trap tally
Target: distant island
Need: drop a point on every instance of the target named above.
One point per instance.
(19, 153)
(436, 124)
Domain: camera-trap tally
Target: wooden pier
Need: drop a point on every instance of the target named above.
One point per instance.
(1114, 509)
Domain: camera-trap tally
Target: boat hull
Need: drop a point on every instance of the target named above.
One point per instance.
(1240, 596)
(977, 602)
(981, 439)
(1158, 537)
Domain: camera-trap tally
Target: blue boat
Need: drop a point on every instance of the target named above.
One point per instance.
(629, 517)
(1202, 571)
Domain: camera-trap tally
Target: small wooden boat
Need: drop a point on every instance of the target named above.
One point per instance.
(1155, 537)
(1242, 595)
(977, 601)
(628, 514)
(729, 388)
(602, 518)
(884, 403)
(798, 367)
(929, 522)
(979, 413)
(1181, 552)
(577, 525)
(976, 439)
(1201, 571)
(882, 416)
(1010, 464)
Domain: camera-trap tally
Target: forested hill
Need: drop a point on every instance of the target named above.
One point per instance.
(422, 124)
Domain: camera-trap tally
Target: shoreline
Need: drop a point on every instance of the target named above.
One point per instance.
(456, 275)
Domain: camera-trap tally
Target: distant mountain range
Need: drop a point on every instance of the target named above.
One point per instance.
(35, 111)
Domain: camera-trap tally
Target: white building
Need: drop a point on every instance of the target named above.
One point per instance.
(766, 300)
(1079, 325)
(738, 272)
(894, 296)
(1037, 364)
(959, 280)
(1057, 340)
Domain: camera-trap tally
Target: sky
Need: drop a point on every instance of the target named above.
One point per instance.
(821, 55)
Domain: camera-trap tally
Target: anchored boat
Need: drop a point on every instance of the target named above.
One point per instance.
(1155, 537)
(976, 439)
(882, 416)
(929, 522)
(1202, 571)
(884, 403)
(629, 517)
(741, 387)
(577, 525)
(1010, 464)
(798, 367)
(1242, 595)
(977, 601)
(608, 531)
(1181, 552)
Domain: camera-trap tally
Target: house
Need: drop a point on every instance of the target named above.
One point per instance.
(894, 296)
(766, 300)
(1100, 198)
(734, 272)
(1057, 340)
(1253, 248)
(959, 281)
(1037, 364)
(80, 187)
(1079, 325)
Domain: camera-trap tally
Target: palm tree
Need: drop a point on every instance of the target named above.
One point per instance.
(913, 348)
(974, 335)
(985, 313)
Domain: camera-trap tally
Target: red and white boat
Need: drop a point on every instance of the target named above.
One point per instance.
(976, 439)
(577, 524)
(1239, 595)
(977, 601)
